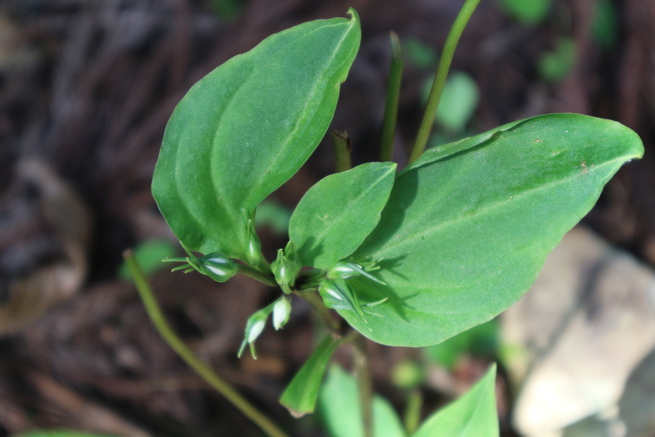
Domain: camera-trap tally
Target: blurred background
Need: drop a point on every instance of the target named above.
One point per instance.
(86, 89)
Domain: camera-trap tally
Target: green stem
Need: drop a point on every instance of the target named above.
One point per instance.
(157, 318)
(254, 273)
(412, 414)
(317, 302)
(440, 79)
(364, 384)
(342, 150)
(391, 105)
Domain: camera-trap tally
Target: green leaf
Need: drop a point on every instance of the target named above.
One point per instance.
(459, 99)
(334, 217)
(472, 415)
(301, 394)
(468, 226)
(482, 340)
(554, 66)
(530, 12)
(340, 410)
(149, 255)
(246, 128)
(605, 26)
(274, 215)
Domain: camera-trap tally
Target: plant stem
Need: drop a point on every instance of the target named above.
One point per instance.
(254, 273)
(364, 384)
(317, 302)
(342, 149)
(391, 105)
(157, 318)
(412, 414)
(440, 79)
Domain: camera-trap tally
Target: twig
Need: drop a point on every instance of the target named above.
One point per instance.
(157, 318)
(342, 150)
(364, 384)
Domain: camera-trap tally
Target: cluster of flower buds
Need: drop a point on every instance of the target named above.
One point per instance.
(337, 294)
(281, 310)
(286, 267)
(214, 265)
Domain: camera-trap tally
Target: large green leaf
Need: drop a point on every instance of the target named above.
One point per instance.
(246, 128)
(468, 226)
(472, 415)
(340, 409)
(334, 217)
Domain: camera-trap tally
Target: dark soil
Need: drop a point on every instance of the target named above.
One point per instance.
(86, 88)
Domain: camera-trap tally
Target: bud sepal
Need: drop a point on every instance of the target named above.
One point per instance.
(286, 267)
(337, 295)
(349, 269)
(215, 265)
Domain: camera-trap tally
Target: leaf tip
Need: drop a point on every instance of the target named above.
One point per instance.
(297, 414)
(354, 16)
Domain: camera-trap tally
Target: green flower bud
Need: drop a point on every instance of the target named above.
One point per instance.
(254, 246)
(337, 295)
(281, 312)
(254, 327)
(217, 267)
(348, 269)
(282, 269)
(286, 267)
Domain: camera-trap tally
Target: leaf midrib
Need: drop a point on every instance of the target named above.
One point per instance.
(439, 227)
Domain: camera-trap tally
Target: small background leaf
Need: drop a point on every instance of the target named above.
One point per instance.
(472, 415)
(274, 215)
(149, 255)
(554, 66)
(339, 407)
(335, 215)
(458, 101)
(482, 340)
(530, 12)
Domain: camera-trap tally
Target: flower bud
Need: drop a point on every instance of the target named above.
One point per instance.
(217, 267)
(254, 246)
(348, 269)
(337, 295)
(281, 312)
(286, 267)
(254, 327)
(282, 269)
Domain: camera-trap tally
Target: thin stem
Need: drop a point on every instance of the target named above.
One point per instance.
(254, 273)
(342, 149)
(364, 384)
(317, 302)
(157, 318)
(440, 79)
(391, 105)
(412, 414)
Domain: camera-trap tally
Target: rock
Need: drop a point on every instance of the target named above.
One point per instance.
(584, 327)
